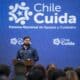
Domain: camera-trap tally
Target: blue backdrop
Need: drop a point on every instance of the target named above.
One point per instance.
(53, 25)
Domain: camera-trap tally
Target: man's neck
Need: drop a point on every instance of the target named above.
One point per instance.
(25, 47)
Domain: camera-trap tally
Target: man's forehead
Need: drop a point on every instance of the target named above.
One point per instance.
(27, 39)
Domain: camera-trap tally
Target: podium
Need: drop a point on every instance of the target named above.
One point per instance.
(21, 67)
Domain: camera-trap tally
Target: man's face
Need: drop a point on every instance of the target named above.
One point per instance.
(27, 41)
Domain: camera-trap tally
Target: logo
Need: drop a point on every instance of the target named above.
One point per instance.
(63, 42)
(19, 13)
(56, 41)
(47, 14)
(16, 41)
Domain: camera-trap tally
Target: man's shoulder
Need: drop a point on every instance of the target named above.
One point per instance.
(32, 48)
(20, 49)
(29, 48)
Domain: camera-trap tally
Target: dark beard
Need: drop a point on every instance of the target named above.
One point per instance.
(27, 45)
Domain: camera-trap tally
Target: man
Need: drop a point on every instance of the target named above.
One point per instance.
(27, 52)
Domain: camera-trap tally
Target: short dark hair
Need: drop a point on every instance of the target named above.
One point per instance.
(4, 70)
(41, 68)
(54, 74)
(27, 37)
(68, 69)
(37, 73)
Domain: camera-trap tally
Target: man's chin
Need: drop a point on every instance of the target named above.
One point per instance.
(27, 44)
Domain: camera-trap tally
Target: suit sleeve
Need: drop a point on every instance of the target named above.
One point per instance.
(35, 55)
(18, 55)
